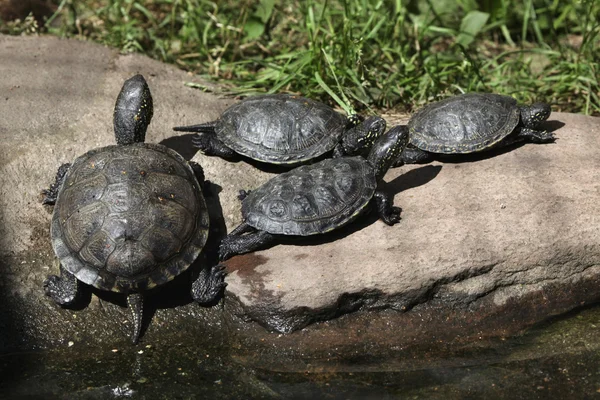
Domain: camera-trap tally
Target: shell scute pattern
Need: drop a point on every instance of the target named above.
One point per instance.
(464, 124)
(129, 217)
(280, 128)
(311, 199)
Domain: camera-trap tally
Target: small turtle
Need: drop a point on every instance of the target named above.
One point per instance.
(129, 217)
(284, 129)
(317, 198)
(472, 122)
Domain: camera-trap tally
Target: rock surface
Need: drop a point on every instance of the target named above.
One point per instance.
(487, 246)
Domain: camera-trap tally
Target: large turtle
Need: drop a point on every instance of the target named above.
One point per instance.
(130, 216)
(317, 198)
(472, 122)
(284, 129)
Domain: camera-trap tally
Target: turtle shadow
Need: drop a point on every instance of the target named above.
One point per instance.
(181, 144)
(177, 292)
(411, 179)
(552, 125)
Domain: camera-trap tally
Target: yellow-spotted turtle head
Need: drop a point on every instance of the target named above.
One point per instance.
(363, 135)
(535, 114)
(133, 111)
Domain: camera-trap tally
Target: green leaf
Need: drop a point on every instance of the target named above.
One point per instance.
(253, 28)
(330, 92)
(265, 10)
(470, 27)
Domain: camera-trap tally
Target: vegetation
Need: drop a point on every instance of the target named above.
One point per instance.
(359, 53)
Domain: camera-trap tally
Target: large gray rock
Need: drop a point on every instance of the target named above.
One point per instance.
(498, 228)
(484, 247)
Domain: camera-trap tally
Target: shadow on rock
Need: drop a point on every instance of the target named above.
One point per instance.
(181, 144)
(552, 125)
(13, 334)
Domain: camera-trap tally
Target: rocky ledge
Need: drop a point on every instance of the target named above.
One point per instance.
(486, 246)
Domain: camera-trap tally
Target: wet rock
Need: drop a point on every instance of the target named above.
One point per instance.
(485, 247)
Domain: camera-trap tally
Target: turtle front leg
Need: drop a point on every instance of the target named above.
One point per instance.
(535, 136)
(338, 151)
(62, 289)
(199, 172)
(243, 239)
(211, 146)
(209, 285)
(528, 135)
(387, 211)
(242, 194)
(413, 155)
(51, 193)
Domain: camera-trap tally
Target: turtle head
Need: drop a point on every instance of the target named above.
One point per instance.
(387, 148)
(363, 135)
(133, 111)
(533, 115)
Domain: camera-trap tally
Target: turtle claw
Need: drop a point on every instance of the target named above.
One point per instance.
(393, 217)
(60, 290)
(210, 284)
(242, 194)
(49, 198)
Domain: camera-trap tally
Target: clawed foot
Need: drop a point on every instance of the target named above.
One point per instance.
(543, 137)
(210, 284)
(202, 142)
(59, 290)
(225, 250)
(393, 216)
(49, 197)
(243, 194)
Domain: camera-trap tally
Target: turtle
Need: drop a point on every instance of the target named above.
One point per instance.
(317, 198)
(129, 217)
(284, 129)
(471, 123)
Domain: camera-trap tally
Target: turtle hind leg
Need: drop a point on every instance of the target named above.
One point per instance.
(135, 302)
(244, 239)
(209, 285)
(62, 289)
(212, 146)
(51, 193)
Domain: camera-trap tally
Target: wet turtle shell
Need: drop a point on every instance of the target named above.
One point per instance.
(312, 199)
(464, 124)
(128, 218)
(280, 128)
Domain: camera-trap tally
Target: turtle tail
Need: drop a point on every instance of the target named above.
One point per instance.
(135, 301)
(207, 127)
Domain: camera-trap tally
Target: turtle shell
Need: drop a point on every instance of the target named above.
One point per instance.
(464, 124)
(311, 199)
(280, 129)
(128, 218)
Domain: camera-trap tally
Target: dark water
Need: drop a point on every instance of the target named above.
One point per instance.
(559, 359)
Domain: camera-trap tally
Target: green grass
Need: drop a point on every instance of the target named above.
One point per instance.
(361, 53)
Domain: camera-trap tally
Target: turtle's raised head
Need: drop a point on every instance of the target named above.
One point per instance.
(387, 148)
(363, 135)
(133, 111)
(533, 115)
